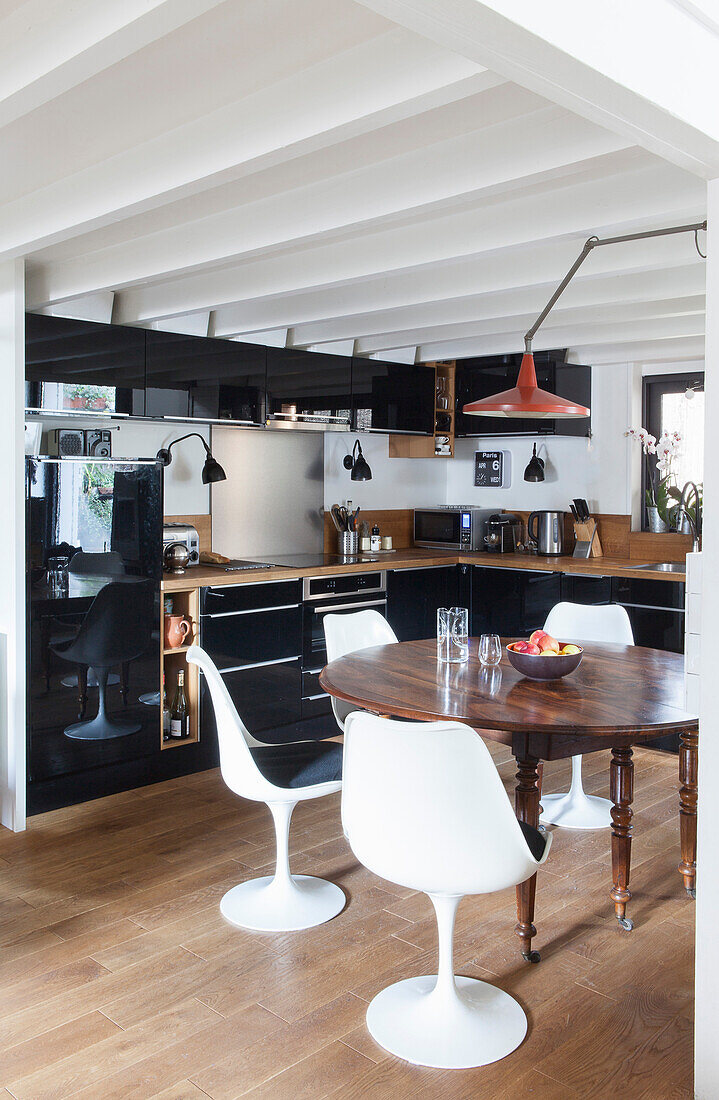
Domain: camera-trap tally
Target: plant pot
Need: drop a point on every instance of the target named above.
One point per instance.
(656, 524)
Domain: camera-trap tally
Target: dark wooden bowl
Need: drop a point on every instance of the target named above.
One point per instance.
(536, 667)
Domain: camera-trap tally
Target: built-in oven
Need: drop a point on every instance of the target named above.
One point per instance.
(336, 595)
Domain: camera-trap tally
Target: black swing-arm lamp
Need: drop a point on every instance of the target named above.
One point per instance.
(211, 471)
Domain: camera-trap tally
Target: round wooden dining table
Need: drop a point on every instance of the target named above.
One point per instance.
(619, 696)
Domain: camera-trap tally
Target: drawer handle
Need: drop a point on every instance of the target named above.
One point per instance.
(350, 606)
(311, 698)
(250, 611)
(259, 664)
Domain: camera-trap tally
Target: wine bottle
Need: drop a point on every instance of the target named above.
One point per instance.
(165, 712)
(178, 714)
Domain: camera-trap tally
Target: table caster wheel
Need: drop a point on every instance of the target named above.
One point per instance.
(531, 956)
(626, 922)
(692, 892)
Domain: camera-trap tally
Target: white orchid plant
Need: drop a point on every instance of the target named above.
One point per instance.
(660, 490)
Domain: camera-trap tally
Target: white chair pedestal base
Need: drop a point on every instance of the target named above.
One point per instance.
(575, 809)
(469, 1023)
(282, 902)
(444, 1021)
(272, 905)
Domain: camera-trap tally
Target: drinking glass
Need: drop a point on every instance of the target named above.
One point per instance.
(57, 576)
(452, 634)
(490, 650)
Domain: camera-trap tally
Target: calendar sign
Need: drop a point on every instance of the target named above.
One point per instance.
(491, 469)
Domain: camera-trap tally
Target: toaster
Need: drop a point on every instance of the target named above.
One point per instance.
(185, 534)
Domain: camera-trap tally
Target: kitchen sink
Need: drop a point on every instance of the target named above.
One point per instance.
(663, 566)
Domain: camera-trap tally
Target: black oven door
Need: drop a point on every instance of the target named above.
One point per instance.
(314, 651)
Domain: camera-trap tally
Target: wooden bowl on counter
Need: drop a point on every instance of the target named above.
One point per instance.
(537, 667)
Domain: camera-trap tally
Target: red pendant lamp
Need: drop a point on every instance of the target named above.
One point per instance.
(526, 400)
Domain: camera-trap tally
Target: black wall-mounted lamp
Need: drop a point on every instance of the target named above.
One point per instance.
(211, 471)
(535, 467)
(357, 463)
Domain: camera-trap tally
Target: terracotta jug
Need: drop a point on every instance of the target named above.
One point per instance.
(177, 629)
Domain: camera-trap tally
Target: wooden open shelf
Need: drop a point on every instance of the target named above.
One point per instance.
(425, 446)
(185, 602)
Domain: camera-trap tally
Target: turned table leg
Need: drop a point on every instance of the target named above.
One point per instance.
(688, 794)
(622, 794)
(526, 802)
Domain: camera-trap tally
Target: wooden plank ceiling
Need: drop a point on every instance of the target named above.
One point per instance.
(306, 172)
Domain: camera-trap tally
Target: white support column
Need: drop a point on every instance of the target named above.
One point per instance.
(707, 956)
(12, 523)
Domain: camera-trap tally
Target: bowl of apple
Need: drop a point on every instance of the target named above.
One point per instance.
(542, 657)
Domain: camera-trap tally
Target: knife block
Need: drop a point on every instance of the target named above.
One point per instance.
(586, 532)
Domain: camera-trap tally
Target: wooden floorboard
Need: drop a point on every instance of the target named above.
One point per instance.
(119, 978)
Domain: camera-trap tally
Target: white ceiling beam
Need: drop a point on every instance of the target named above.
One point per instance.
(270, 338)
(91, 307)
(648, 351)
(631, 200)
(50, 46)
(584, 291)
(574, 336)
(350, 93)
(528, 150)
(527, 276)
(512, 328)
(616, 65)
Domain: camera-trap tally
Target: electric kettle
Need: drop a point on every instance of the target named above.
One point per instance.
(545, 531)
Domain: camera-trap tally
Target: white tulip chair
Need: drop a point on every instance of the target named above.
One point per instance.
(423, 806)
(346, 634)
(585, 623)
(281, 776)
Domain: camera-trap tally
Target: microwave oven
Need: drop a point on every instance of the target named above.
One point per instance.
(451, 527)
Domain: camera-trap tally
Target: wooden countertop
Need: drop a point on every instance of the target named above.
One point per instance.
(199, 576)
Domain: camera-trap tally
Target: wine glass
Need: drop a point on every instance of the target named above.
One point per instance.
(490, 650)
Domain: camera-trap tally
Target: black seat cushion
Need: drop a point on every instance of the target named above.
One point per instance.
(536, 840)
(299, 765)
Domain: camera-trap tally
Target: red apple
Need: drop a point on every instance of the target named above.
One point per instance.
(537, 636)
(532, 648)
(548, 643)
(520, 647)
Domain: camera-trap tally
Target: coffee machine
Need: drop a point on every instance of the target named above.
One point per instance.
(503, 533)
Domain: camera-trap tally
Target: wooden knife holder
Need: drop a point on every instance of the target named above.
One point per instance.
(586, 531)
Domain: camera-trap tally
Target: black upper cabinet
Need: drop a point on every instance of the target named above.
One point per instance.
(477, 378)
(392, 397)
(308, 387)
(82, 366)
(202, 379)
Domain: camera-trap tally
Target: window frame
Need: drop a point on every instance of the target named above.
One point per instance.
(653, 387)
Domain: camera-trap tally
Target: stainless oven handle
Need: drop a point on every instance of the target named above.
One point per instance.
(350, 606)
(250, 611)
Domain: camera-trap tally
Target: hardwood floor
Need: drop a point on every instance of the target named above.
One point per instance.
(119, 978)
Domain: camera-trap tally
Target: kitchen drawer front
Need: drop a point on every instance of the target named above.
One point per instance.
(266, 696)
(579, 588)
(243, 639)
(647, 593)
(657, 628)
(315, 701)
(222, 599)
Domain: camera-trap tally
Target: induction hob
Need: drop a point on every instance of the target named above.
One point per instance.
(314, 561)
(238, 565)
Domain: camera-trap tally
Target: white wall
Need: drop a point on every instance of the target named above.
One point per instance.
(12, 576)
(599, 468)
(185, 495)
(396, 482)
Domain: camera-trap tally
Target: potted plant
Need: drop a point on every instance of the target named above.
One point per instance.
(661, 495)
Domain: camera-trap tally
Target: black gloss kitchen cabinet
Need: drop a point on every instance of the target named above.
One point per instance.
(485, 376)
(392, 397)
(309, 388)
(81, 367)
(413, 596)
(253, 632)
(194, 377)
(586, 588)
(512, 602)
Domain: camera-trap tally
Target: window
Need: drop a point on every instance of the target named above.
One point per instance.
(667, 408)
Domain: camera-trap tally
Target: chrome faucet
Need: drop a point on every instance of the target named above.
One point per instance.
(694, 521)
